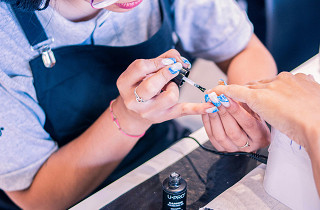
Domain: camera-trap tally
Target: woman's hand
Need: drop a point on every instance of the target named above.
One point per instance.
(151, 79)
(235, 127)
(290, 103)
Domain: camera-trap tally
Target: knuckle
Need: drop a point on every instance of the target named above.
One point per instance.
(140, 65)
(129, 104)
(220, 139)
(165, 76)
(183, 111)
(223, 113)
(119, 83)
(214, 115)
(144, 115)
(249, 124)
(149, 87)
(234, 135)
(234, 110)
(155, 63)
(172, 98)
(174, 52)
(284, 75)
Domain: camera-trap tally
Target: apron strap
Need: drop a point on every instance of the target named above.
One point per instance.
(31, 26)
(36, 35)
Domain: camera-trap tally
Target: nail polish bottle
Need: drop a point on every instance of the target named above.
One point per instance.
(178, 79)
(174, 193)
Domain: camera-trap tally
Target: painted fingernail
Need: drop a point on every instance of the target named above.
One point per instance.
(206, 98)
(175, 68)
(186, 61)
(224, 100)
(222, 82)
(212, 110)
(168, 61)
(214, 99)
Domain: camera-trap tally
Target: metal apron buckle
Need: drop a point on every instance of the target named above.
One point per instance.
(44, 49)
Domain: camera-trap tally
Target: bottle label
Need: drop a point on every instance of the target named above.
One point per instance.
(175, 202)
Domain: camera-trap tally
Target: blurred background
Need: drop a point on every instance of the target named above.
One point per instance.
(290, 29)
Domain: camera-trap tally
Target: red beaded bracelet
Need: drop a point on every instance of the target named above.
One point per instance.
(116, 122)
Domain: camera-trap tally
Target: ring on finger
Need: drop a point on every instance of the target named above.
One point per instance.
(246, 145)
(138, 98)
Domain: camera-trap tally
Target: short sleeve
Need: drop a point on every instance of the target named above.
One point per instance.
(212, 29)
(24, 144)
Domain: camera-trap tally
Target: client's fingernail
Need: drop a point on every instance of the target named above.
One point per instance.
(212, 110)
(214, 99)
(206, 98)
(223, 99)
(168, 61)
(186, 61)
(222, 82)
(175, 68)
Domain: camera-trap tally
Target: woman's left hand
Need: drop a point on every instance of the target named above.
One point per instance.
(235, 127)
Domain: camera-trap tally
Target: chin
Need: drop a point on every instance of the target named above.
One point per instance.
(114, 8)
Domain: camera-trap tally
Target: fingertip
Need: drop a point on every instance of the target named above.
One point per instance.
(186, 63)
(175, 68)
(224, 100)
(212, 110)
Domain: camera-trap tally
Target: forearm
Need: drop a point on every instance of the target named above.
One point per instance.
(253, 63)
(78, 168)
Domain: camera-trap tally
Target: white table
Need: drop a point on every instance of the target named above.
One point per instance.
(249, 193)
(246, 194)
(142, 173)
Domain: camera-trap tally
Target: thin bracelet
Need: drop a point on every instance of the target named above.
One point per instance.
(116, 122)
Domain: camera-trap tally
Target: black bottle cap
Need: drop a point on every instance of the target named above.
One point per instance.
(178, 79)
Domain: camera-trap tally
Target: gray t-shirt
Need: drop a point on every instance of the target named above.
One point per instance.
(210, 29)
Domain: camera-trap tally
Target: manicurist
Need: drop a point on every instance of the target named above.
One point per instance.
(86, 93)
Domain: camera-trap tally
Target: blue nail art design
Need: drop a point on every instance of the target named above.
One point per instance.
(223, 98)
(214, 99)
(206, 98)
(173, 71)
(300, 147)
(175, 68)
(222, 81)
(215, 110)
(291, 142)
(174, 60)
(186, 61)
(216, 104)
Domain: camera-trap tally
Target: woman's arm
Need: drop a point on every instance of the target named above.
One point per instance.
(79, 167)
(251, 64)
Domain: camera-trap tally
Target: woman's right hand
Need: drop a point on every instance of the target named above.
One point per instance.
(152, 81)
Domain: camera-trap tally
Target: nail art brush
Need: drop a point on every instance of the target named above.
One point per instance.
(193, 84)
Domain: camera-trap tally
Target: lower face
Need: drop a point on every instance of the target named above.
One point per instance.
(123, 5)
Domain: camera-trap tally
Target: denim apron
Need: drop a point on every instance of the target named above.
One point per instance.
(79, 88)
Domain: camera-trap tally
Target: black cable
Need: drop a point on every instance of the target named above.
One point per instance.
(255, 156)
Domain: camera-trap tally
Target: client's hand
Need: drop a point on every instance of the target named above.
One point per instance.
(235, 127)
(290, 103)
